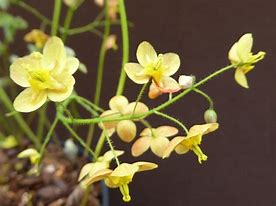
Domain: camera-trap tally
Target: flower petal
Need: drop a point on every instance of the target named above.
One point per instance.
(58, 95)
(171, 63)
(241, 78)
(72, 64)
(181, 149)
(154, 91)
(126, 130)
(169, 85)
(140, 146)
(141, 108)
(99, 175)
(118, 103)
(166, 131)
(109, 125)
(172, 145)
(29, 100)
(244, 47)
(54, 54)
(146, 54)
(136, 73)
(159, 145)
(232, 55)
(145, 166)
(109, 155)
(92, 168)
(19, 70)
(146, 132)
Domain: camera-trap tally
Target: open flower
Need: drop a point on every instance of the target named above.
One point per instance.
(155, 139)
(102, 163)
(157, 68)
(119, 106)
(45, 76)
(240, 53)
(182, 144)
(121, 176)
(38, 37)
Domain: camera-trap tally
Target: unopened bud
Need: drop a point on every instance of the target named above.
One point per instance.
(210, 116)
(126, 130)
(185, 81)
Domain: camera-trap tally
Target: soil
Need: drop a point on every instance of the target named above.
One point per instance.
(56, 185)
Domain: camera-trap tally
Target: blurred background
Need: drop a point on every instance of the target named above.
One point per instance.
(241, 168)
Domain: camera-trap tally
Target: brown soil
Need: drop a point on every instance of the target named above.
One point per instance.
(56, 185)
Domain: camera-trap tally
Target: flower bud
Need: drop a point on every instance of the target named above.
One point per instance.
(126, 130)
(185, 81)
(210, 116)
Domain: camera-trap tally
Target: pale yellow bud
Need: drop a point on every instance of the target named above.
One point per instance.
(126, 130)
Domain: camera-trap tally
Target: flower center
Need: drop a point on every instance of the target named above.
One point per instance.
(38, 79)
(125, 192)
(200, 155)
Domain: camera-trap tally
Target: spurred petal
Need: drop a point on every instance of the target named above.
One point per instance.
(136, 73)
(146, 54)
(159, 145)
(166, 131)
(54, 55)
(71, 65)
(145, 166)
(29, 100)
(202, 129)
(241, 78)
(173, 143)
(181, 149)
(170, 63)
(118, 103)
(140, 146)
(169, 85)
(154, 91)
(126, 130)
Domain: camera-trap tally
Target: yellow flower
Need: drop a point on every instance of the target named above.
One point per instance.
(155, 139)
(159, 68)
(182, 145)
(46, 75)
(119, 106)
(103, 162)
(121, 176)
(38, 37)
(240, 53)
(30, 153)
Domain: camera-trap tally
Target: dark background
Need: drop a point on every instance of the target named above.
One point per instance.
(240, 170)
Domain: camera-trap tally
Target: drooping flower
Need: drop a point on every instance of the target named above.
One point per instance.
(182, 144)
(38, 37)
(240, 53)
(157, 68)
(103, 162)
(119, 106)
(47, 75)
(155, 139)
(121, 176)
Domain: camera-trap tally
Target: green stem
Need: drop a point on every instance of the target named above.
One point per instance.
(18, 118)
(78, 138)
(56, 15)
(139, 97)
(206, 96)
(32, 10)
(48, 137)
(124, 26)
(41, 122)
(173, 120)
(99, 146)
(67, 22)
(100, 71)
(111, 147)
(150, 112)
